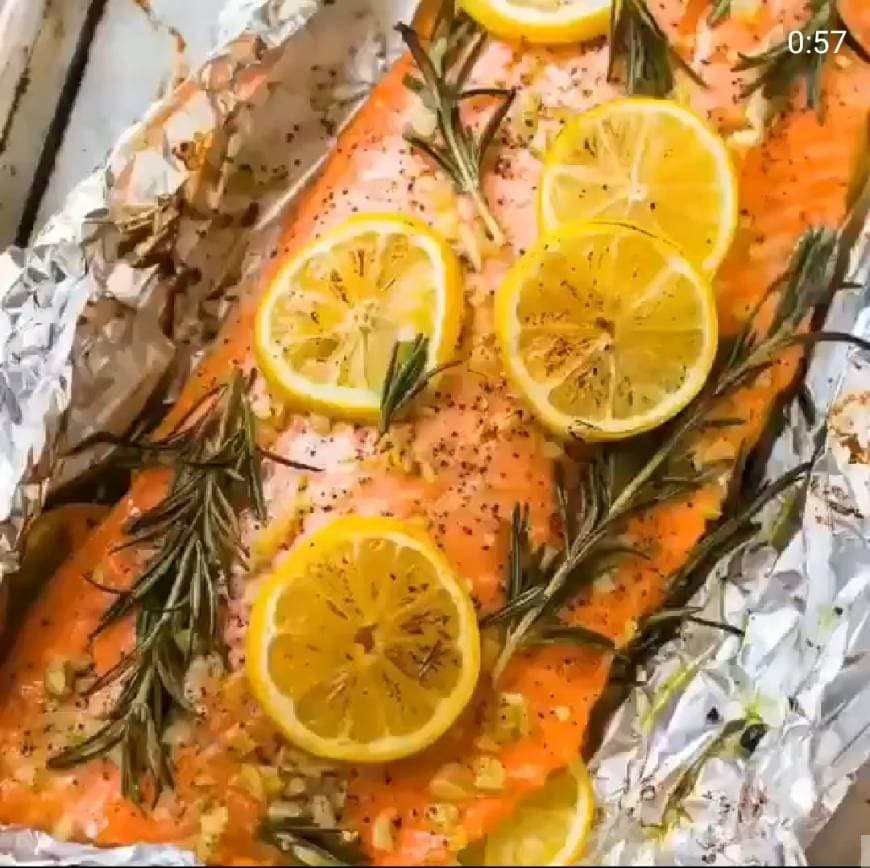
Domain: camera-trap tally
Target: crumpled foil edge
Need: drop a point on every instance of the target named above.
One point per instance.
(75, 271)
(737, 751)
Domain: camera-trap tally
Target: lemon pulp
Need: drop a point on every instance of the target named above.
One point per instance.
(606, 330)
(328, 322)
(650, 162)
(364, 646)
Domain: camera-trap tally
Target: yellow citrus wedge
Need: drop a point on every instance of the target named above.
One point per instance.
(549, 827)
(327, 325)
(363, 646)
(607, 330)
(650, 162)
(545, 21)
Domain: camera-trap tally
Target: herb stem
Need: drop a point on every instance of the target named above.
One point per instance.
(533, 599)
(444, 66)
(720, 11)
(492, 228)
(192, 538)
(406, 378)
(469, 182)
(641, 50)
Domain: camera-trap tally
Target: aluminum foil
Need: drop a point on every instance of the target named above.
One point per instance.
(120, 293)
(737, 751)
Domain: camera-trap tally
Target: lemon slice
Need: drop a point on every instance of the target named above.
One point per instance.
(607, 330)
(541, 20)
(549, 827)
(363, 646)
(649, 162)
(326, 327)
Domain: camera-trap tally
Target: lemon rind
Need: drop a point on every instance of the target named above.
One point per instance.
(728, 195)
(584, 814)
(261, 631)
(350, 402)
(540, 26)
(568, 426)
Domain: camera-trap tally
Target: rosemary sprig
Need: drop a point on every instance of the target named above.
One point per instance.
(720, 11)
(527, 570)
(310, 844)
(725, 538)
(445, 66)
(778, 68)
(640, 46)
(594, 524)
(193, 538)
(406, 378)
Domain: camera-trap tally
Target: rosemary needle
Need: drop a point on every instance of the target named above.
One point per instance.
(640, 46)
(192, 538)
(406, 378)
(778, 68)
(309, 844)
(597, 513)
(720, 11)
(445, 67)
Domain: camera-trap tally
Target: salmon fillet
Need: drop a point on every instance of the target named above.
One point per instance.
(483, 446)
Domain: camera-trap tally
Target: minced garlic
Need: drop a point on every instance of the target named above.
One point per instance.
(437, 190)
(296, 786)
(322, 812)
(490, 649)
(508, 720)
(251, 781)
(204, 780)
(525, 118)
(240, 741)
(178, 733)
(281, 810)
(202, 679)
(81, 664)
(282, 530)
(58, 679)
(212, 825)
(489, 774)
(383, 829)
(629, 631)
(453, 782)
(562, 713)
(442, 817)
(272, 782)
(759, 112)
(423, 121)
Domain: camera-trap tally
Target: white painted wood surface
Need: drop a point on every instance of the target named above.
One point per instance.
(132, 60)
(132, 57)
(37, 41)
